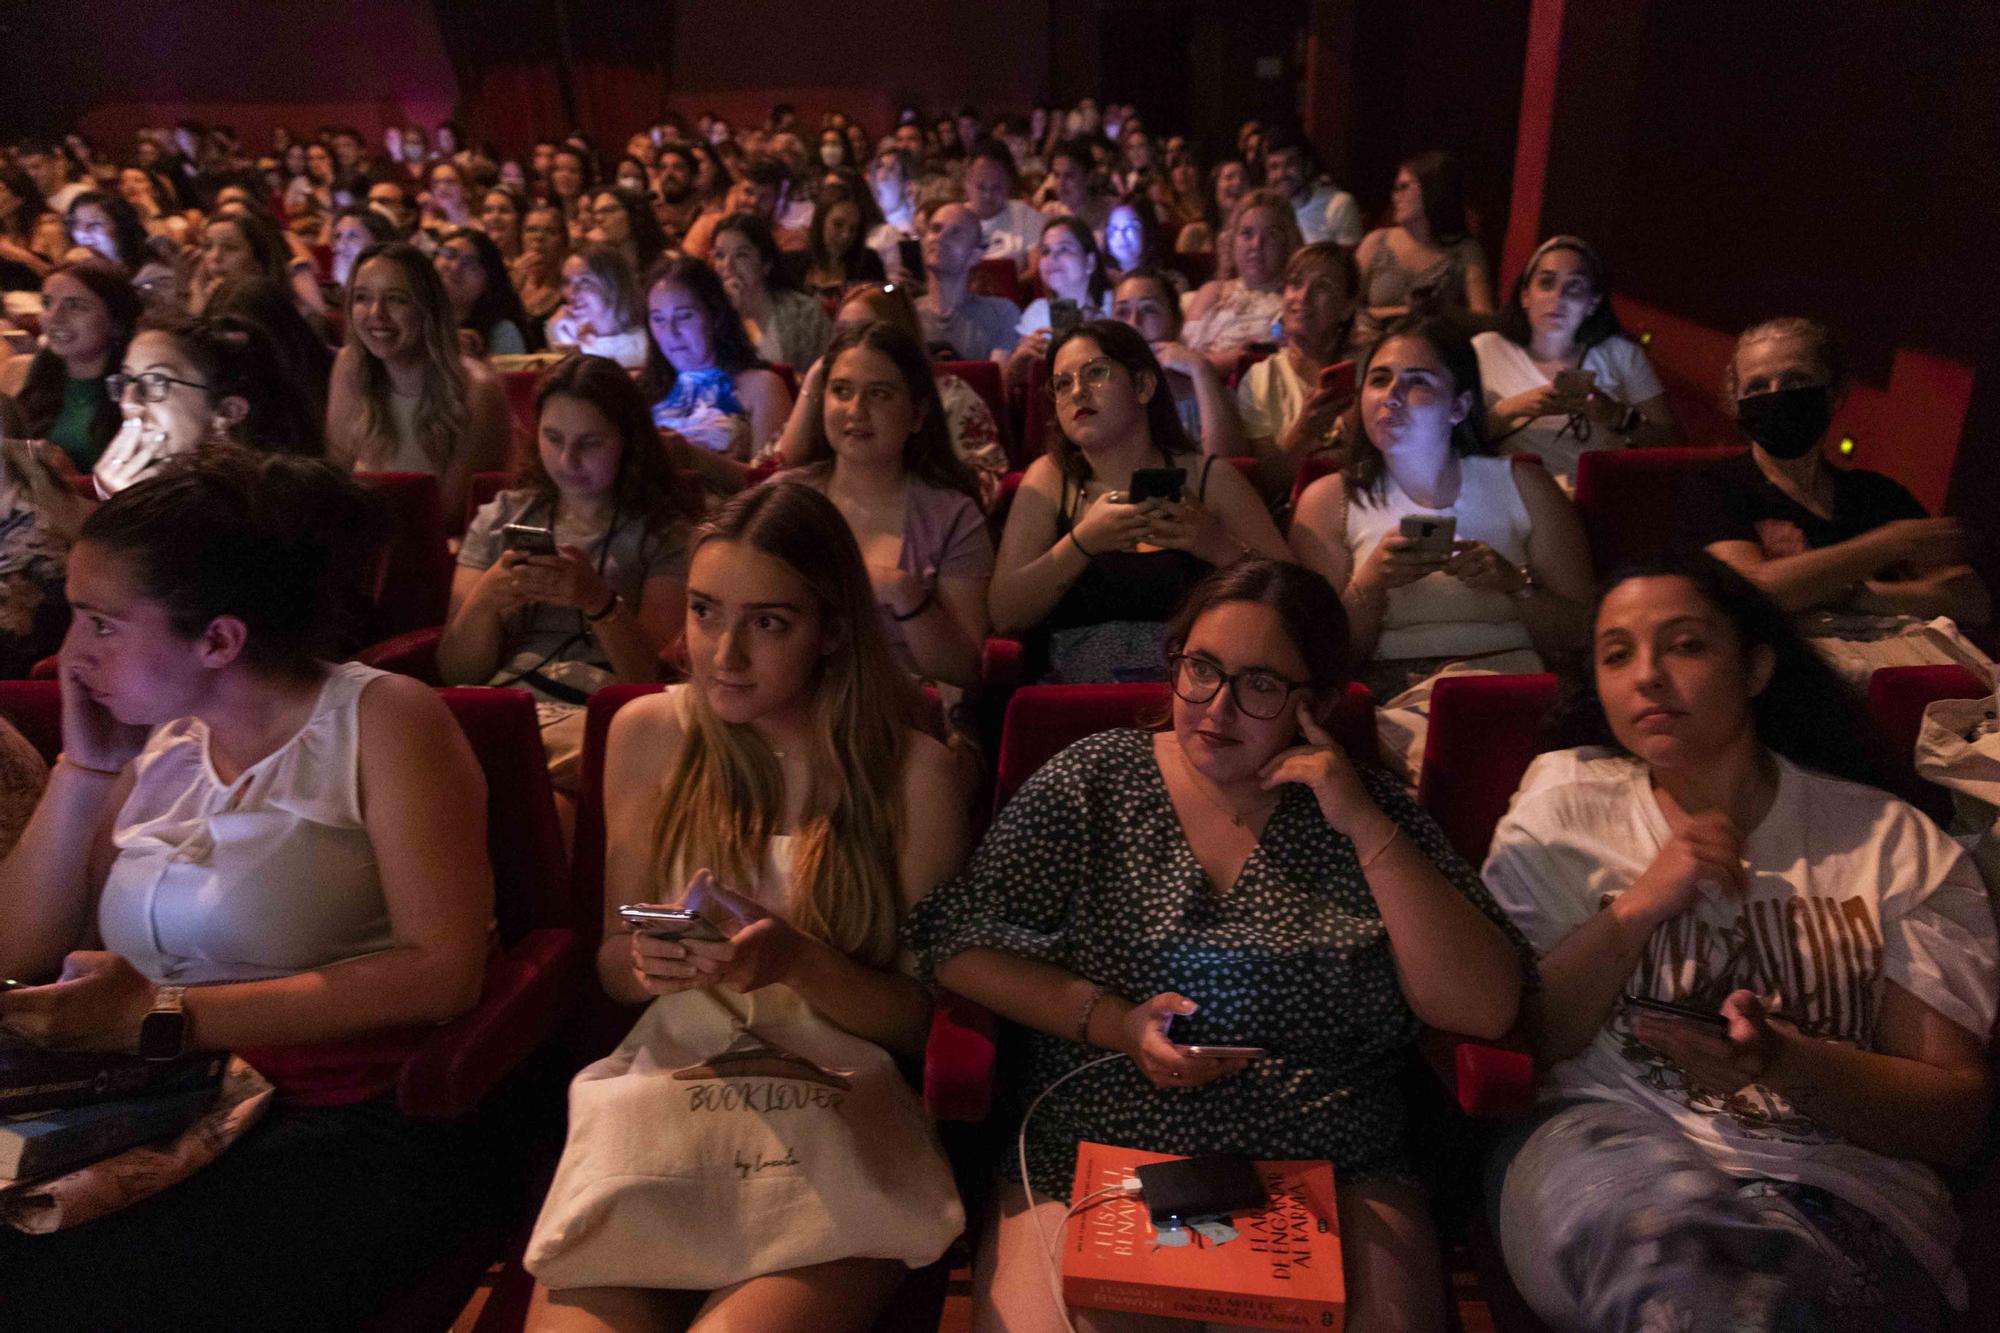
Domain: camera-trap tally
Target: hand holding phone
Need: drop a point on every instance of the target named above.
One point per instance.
(1430, 535)
(1681, 1013)
(669, 923)
(528, 539)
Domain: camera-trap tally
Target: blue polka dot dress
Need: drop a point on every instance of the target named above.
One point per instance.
(1088, 869)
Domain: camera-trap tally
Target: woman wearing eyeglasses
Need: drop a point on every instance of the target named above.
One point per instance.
(1092, 571)
(1235, 880)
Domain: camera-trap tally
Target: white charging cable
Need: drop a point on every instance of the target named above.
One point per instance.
(1028, 1192)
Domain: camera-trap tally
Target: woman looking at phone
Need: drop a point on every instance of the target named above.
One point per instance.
(288, 853)
(1834, 955)
(1233, 879)
(576, 578)
(1292, 400)
(1501, 577)
(1119, 519)
(1561, 377)
(787, 767)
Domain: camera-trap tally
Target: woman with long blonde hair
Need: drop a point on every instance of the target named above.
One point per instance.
(404, 398)
(782, 796)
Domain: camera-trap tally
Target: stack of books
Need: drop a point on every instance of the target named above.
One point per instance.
(60, 1110)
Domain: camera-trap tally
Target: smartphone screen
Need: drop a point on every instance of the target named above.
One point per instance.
(1064, 315)
(1157, 483)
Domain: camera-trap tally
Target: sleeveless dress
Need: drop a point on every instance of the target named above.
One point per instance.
(1386, 282)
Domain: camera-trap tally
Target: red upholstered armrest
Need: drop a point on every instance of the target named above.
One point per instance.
(528, 990)
(411, 654)
(958, 1060)
(1489, 1080)
(1000, 663)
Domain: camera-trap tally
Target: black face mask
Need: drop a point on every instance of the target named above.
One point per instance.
(1787, 422)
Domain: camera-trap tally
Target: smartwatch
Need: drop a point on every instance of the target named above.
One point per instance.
(163, 1032)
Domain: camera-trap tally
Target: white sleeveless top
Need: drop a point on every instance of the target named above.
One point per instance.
(774, 880)
(1438, 616)
(267, 876)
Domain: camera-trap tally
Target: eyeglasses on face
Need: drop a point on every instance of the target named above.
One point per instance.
(153, 385)
(1094, 374)
(1259, 694)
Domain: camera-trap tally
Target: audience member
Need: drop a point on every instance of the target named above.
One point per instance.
(1287, 414)
(1557, 326)
(302, 358)
(622, 217)
(1426, 259)
(110, 228)
(1324, 211)
(612, 595)
(404, 398)
(1008, 227)
(840, 249)
(704, 377)
(785, 325)
(355, 228)
(785, 770)
(1072, 271)
(483, 300)
(1711, 848)
(604, 310)
(538, 273)
(1239, 306)
(89, 311)
(1069, 185)
(1234, 878)
(502, 209)
(1092, 571)
(1145, 300)
(969, 326)
(289, 854)
(677, 200)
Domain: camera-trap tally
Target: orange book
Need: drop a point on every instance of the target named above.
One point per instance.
(1283, 1270)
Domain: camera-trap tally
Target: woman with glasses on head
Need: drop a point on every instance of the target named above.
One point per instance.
(1231, 879)
(1091, 569)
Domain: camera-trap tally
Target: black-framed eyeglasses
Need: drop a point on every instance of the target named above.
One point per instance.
(152, 385)
(1258, 693)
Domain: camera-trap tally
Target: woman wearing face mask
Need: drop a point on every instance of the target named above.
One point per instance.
(1092, 572)
(974, 434)
(1238, 306)
(1558, 324)
(482, 298)
(603, 312)
(89, 310)
(1511, 589)
(1071, 270)
(1816, 537)
(538, 272)
(1286, 414)
(833, 150)
(110, 228)
(707, 385)
(1714, 846)
(1234, 878)
(1426, 257)
(783, 322)
(602, 607)
(404, 398)
(624, 218)
(501, 211)
(882, 455)
(838, 253)
(787, 768)
(1147, 300)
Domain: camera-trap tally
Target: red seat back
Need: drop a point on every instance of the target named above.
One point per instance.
(1247, 358)
(788, 375)
(1627, 499)
(997, 277)
(1484, 732)
(1311, 468)
(1037, 415)
(586, 863)
(413, 585)
(35, 709)
(986, 381)
(479, 492)
(523, 836)
(1043, 720)
(1897, 697)
(520, 386)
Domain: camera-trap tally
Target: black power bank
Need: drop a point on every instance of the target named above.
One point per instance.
(1216, 1185)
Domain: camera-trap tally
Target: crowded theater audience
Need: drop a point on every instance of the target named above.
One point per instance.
(833, 490)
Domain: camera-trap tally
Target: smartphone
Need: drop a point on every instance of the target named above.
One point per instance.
(528, 539)
(1228, 1052)
(1156, 483)
(671, 923)
(1576, 383)
(1064, 315)
(1338, 379)
(1686, 1013)
(1432, 534)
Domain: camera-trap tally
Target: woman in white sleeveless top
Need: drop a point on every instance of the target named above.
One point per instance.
(782, 794)
(246, 848)
(1515, 586)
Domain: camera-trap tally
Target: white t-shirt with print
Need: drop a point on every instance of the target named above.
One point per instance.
(1505, 369)
(1851, 888)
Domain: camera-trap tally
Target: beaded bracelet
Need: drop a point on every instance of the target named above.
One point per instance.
(1097, 994)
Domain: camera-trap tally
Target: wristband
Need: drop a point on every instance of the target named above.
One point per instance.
(1097, 994)
(611, 604)
(1071, 534)
(930, 596)
(1376, 855)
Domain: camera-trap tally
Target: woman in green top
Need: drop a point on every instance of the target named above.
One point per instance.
(89, 310)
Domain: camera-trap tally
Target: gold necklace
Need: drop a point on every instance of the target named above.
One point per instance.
(1201, 787)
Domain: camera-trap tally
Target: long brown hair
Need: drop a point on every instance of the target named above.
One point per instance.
(443, 410)
(927, 454)
(41, 396)
(725, 795)
(648, 488)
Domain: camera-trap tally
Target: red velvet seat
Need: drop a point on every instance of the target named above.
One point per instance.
(1897, 697)
(1037, 415)
(413, 584)
(1311, 468)
(1484, 732)
(520, 387)
(788, 374)
(987, 381)
(998, 277)
(1627, 499)
(481, 489)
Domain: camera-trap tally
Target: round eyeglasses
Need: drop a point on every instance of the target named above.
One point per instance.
(1259, 694)
(153, 385)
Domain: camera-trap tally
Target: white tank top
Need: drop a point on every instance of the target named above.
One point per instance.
(267, 876)
(1438, 616)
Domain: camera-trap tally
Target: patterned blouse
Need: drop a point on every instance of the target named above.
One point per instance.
(1088, 869)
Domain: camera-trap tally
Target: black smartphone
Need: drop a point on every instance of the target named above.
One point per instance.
(528, 539)
(1064, 315)
(1684, 1012)
(1157, 483)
